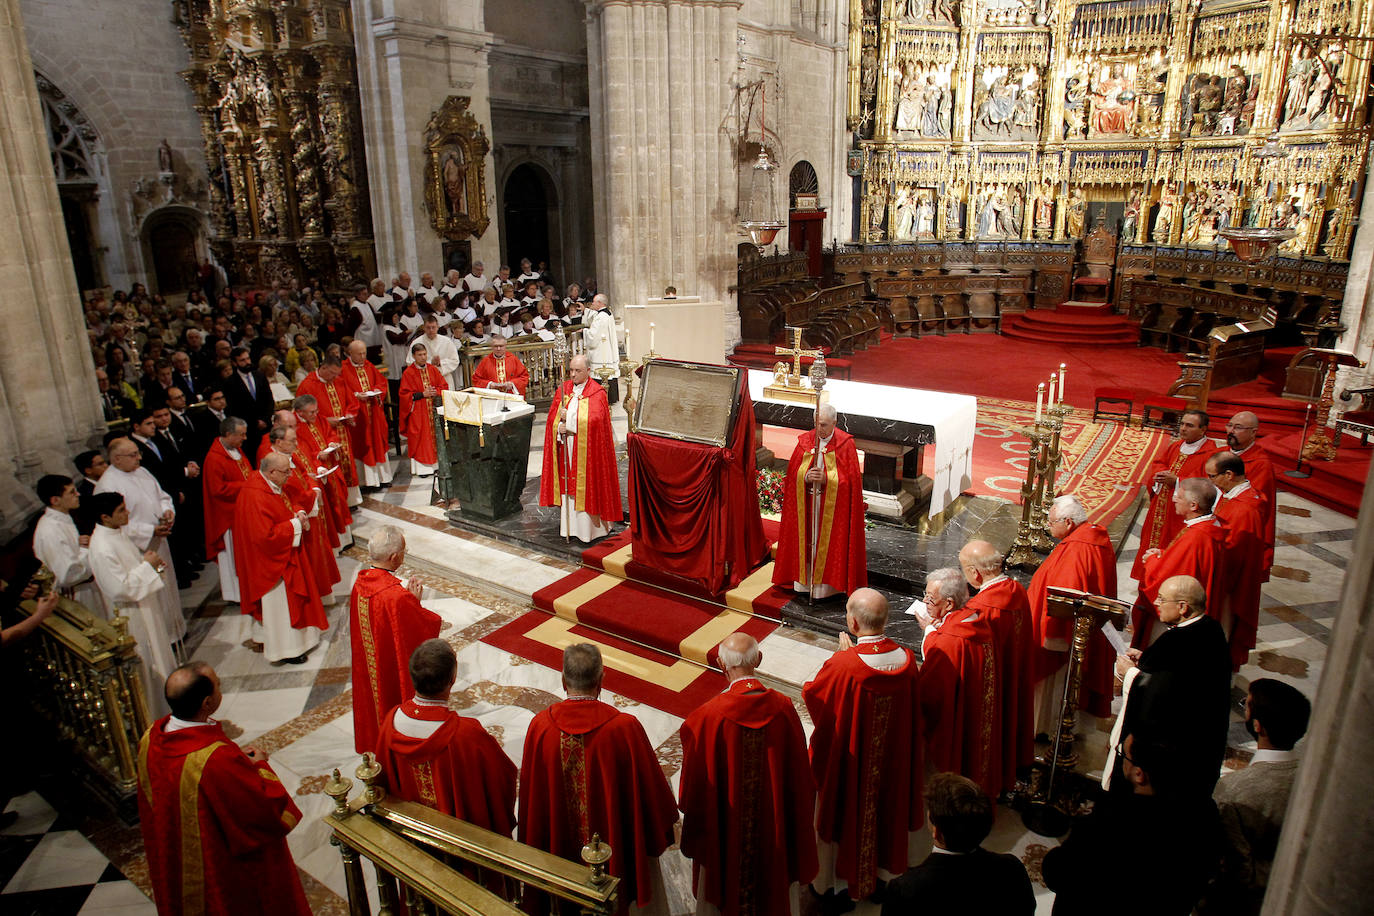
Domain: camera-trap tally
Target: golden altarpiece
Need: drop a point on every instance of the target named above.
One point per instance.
(276, 90)
(1003, 120)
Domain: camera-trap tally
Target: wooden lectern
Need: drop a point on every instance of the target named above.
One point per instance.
(1089, 613)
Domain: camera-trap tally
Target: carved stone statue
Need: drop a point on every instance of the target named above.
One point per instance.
(904, 212)
(164, 158)
(1075, 210)
(1164, 220)
(1130, 222)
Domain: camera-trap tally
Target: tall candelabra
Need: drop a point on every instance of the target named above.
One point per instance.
(1042, 470)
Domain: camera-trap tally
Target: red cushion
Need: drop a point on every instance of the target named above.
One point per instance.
(1090, 281)
(1116, 394)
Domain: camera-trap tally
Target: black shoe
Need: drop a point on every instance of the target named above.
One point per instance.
(298, 660)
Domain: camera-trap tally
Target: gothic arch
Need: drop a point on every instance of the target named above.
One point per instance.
(530, 198)
(174, 240)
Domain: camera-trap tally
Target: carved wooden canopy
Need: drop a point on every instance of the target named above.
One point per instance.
(455, 171)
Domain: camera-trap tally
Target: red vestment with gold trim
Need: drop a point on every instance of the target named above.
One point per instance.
(313, 438)
(1198, 551)
(1245, 568)
(263, 555)
(589, 473)
(221, 480)
(368, 434)
(1162, 523)
(214, 826)
(336, 402)
(416, 419)
(490, 369)
(961, 699)
(841, 561)
(1006, 606)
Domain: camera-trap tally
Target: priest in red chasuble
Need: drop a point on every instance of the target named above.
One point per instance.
(961, 699)
(1198, 550)
(222, 475)
(1242, 509)
(431, 755)
(321, 448)
(387, 624)
(421, 386)
(1084, 560)
(214, 818)
(276, 583)
(501, 370)
(1183, 458)
(747, 795)
(830, 541)
(306, 495)
(580, 472)
(1241, 431)
(338, 410)
(589, 768)
(368, 434)
(867, 755)
(1004, 603)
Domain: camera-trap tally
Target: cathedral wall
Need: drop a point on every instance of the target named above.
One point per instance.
(118, 64)
(552, 25)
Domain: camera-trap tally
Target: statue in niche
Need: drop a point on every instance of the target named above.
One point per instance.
(1007, 107)
(1130, 220)
(935, 109)
(1042, 211)
(164, 158)
(1205, 102)
(1232, 119)
(1332, 244)
(877, 211)
(1310, 91)
(869, 71)
(925, 217)
(904, 213)
(1075, 211)
(954, 211)
(1187, 214)
(1075, 108)
(1164, 220)
(996, 219)
(269, 217)
(1016, 213)
(453, 172)
(910, 92)
(1113, 103)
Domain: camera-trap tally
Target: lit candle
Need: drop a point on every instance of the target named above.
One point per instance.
(1049, 401)
(651, 337)
(1062, 367)
(1039, 397)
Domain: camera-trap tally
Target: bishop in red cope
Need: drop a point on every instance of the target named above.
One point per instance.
(826, 533)
(867, 755)
(387, 625)
(214, 817)
(580, 474)
(1003, 602)
(431, 755)
(1083, 560)
(338, 409)
(747, 796)
(588, 768)
(500, 370)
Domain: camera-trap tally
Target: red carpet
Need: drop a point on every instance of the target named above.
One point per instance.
(989, 366)
(1082, 325)
(1338, 485)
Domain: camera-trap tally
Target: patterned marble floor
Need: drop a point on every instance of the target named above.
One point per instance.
(302, 715)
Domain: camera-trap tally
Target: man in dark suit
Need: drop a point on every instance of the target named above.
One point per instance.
(90, 465)
(207, 421)
(142, 430)
(183, 376)
(250, 398)
(186, 543)
(960, 876)
(181, 427)
(1180, 687)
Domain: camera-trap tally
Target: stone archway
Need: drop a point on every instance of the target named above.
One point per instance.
(530, 219)
(79, 168)
(174, 244)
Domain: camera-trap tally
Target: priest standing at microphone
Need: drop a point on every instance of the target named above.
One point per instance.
(821, 540)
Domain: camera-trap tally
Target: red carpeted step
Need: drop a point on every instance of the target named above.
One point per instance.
(1079, 307)
(1338, 485)
(1078, 325)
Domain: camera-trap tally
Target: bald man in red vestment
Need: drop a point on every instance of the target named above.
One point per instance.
(368, 434)
(589, 768)
(747, 795)
(422, 385)
(1241, 509)
(320, 448)
(1084, 560)
(835, 552)
(961, 700)
(388, 623)
(580, 473)
(275, 580)
(501, 370)
(222, 476)
(867, 755)
(1198, 551)
(214, 818)
(431, 755)
(1241, 431)
(1183, 458)
(1005, 604)
(339, 411)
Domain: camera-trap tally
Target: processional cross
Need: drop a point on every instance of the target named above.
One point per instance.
(796, 352)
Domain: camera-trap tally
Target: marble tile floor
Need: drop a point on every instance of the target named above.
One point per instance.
(301, 715)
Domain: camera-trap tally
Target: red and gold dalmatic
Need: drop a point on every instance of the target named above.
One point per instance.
(509, 369)
(589, 474)
(313, 438)
(1161, 521)
(335, 402)
(319, 540)
(214, 826)
(961, 699)
(388, 624)
(416, 418)
(222, 478)
(841, 561)
(368, 434)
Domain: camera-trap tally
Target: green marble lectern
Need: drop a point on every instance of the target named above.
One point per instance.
(482, 468)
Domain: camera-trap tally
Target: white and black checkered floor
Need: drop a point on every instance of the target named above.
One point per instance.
(47, 868)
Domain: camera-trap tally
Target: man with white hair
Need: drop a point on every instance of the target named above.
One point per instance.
(748, 735)
(822, 533)
(1004, 603)
(603, 346)
(1084, 560)
(960, 699)
(225, 471)
(387, 625)
(868, 756)
(276, 585)
(426, 290)
(1197, 551)
(579, 473)
(368, 435)
(474, 282)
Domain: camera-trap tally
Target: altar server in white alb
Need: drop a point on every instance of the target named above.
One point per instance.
(132, 584)
(61, 548)
(151, 514)
(603, 347)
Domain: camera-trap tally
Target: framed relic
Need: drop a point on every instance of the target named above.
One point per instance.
(694, 402)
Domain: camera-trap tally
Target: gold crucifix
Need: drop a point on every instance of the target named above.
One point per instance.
(796, 352)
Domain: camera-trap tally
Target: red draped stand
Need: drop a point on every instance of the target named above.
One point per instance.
(694, 509)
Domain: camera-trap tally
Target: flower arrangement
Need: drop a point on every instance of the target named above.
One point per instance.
(770, 483)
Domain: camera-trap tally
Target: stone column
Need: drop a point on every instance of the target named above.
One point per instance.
(1356, 312)
(49, 408)
(1330, 823)
(664, 177)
